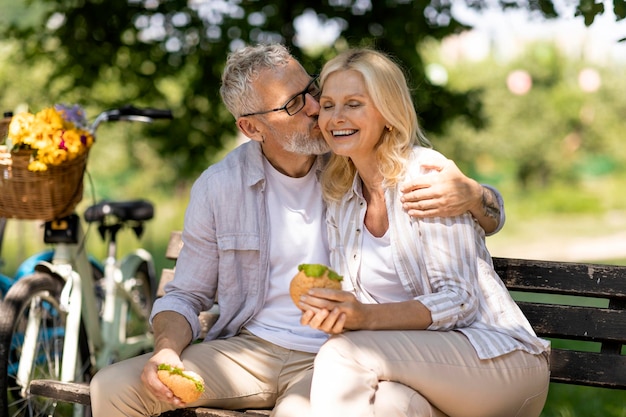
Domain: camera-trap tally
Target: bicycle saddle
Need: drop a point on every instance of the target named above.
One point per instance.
(137, 210)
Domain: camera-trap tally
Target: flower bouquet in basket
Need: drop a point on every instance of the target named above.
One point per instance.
(42, 162)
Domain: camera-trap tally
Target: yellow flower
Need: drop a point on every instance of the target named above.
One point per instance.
(49, 120)
(21, 126)
(55, 134)
(37, 166)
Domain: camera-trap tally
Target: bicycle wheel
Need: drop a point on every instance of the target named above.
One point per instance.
(138, 304)
(36, 298)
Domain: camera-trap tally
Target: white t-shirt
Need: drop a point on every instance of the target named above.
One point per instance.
(297, 235)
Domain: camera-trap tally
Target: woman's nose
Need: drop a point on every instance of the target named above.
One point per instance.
(336, 116)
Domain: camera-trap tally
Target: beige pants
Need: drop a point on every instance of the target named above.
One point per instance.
(441, 369)
(240, 372)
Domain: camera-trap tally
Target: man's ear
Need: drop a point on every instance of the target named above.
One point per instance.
(250, 128)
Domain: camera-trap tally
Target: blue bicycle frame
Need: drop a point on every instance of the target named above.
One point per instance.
(28, 267)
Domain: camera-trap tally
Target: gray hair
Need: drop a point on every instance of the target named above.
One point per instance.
(242, 69)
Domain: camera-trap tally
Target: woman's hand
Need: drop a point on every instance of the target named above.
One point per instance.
(334, 312)
(331, 311)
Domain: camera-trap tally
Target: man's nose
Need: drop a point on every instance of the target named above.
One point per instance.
(312, 106)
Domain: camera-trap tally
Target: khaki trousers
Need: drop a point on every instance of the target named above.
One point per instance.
(240, 372)
(441, 369)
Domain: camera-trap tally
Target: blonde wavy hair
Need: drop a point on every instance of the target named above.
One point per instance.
(388, 88)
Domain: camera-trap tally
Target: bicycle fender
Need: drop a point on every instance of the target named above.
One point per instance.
(131, 262)
(49, 268)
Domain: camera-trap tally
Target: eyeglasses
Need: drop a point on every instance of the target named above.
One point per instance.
(297, 102)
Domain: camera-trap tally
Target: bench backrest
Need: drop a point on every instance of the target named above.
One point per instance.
(580, 307)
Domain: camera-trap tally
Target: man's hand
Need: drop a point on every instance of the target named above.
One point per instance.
(450, 193)
(172, 334)
(151, 380)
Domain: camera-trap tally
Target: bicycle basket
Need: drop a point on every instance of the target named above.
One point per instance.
(45, 195)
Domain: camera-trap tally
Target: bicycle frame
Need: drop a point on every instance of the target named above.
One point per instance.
(107, 336)
(70, 264)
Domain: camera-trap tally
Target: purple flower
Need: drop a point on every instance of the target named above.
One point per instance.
(74, 114)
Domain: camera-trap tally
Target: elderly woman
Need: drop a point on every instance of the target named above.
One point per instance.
(422, 305)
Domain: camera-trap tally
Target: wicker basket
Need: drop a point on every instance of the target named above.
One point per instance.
(4, 127)
(46, 195)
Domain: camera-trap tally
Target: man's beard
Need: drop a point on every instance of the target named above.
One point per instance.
(305, 144)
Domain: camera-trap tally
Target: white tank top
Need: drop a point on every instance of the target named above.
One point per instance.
(377, 274)
(297, 235)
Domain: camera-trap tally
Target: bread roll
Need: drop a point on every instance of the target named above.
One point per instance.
(313, 276)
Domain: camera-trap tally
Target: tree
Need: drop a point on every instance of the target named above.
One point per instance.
(170, 53)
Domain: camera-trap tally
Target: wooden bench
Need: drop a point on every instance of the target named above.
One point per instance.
(570, 303)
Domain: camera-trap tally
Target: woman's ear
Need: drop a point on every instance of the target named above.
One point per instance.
(250, 128)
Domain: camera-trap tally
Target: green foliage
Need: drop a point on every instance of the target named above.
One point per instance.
(556, 133)
(171, 53)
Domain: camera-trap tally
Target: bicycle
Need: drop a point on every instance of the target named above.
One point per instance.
(70, 318)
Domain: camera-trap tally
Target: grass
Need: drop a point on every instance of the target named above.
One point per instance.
(576, 401)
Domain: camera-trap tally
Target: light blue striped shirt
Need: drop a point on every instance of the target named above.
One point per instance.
(441, 262)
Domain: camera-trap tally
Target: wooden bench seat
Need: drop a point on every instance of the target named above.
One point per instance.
(581, 307)
(581, 302)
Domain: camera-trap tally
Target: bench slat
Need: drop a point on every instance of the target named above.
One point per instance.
(213, 412)
(167, 274)
(577, 323)
(568, 278)
(71, 392)
(588, 368)
(174, 245)
(75, 392)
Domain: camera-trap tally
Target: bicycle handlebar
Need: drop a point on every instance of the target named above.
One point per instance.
(131, 113)
(150, 113)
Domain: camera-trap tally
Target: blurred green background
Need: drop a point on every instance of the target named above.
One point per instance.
(527, 96)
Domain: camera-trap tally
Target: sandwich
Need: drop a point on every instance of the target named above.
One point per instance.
(186, 385)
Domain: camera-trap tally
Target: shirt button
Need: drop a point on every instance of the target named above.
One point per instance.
(358, 230)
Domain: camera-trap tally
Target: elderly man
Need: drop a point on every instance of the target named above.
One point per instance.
(251, 220)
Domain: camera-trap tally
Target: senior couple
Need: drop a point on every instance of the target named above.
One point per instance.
(423, 325)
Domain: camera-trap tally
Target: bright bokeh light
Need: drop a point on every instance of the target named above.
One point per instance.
(589, 80)
(437, 74)
(312, 31)
(519, 82)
